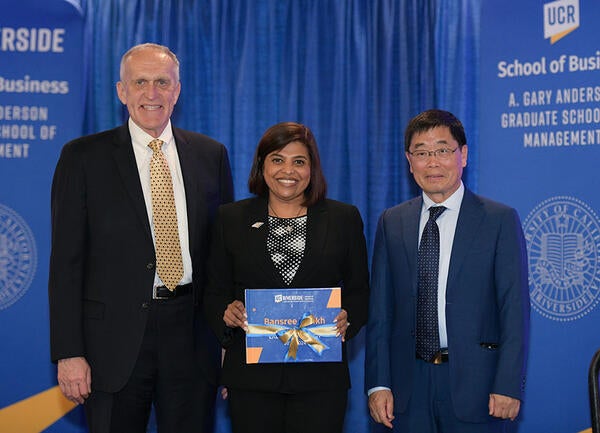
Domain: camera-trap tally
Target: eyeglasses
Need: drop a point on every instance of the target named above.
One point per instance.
(441, 154)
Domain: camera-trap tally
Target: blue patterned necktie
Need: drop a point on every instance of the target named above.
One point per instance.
(428, 339)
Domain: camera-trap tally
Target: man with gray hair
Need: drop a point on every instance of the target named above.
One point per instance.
(131, 212)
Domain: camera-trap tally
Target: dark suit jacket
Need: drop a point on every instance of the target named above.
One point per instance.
(335, 255)
(102, 262)
(487, 305)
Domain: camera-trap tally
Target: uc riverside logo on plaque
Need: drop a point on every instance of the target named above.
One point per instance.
(563, 242)
(18, 257)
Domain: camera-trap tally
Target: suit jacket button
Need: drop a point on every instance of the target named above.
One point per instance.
(145, 305)
(150, 266)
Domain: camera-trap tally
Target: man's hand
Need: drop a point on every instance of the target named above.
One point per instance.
(235, 316)
(381, 406)
(502, 406)
(75, 378)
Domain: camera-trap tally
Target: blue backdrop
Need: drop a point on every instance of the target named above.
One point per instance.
(355, 71)
(42, 81)
(540, 135)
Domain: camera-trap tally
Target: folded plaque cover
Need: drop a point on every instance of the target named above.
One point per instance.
(293, 325)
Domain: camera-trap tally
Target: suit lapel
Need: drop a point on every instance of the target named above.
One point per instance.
(467, 228)
(410, 235)
(257, 228)
(127, 166)
(191, 182)
(316, 236)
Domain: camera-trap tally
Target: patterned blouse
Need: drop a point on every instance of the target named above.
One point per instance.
(285, 243)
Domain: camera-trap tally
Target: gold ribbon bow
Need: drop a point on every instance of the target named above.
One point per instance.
(308, 331)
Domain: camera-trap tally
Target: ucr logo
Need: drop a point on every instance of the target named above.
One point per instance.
(563, 243)
(18, 257)
(561, 17)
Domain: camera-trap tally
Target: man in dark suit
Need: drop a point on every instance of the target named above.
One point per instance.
(447, 335)
(126, 331)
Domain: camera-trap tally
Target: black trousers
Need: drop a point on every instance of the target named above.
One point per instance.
(274, 412)
(165, 375)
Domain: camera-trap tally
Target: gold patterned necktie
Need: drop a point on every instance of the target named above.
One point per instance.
(169, 263)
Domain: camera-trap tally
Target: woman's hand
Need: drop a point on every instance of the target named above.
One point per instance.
(235, 316)
(342, 324)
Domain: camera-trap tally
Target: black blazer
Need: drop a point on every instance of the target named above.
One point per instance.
(102, 262)
(335, 255)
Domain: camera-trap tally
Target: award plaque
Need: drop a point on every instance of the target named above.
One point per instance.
(293, 325)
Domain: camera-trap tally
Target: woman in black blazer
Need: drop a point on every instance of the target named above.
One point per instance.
(288, 236)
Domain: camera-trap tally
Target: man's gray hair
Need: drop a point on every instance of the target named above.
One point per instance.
(146, 46)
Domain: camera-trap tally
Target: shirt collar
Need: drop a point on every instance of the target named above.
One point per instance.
(141, 138)
(453, 202)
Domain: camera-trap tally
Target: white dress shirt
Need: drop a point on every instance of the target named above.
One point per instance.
(447, 225)
(143, 155)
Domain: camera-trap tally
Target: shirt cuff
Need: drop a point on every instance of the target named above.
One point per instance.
(377, 388)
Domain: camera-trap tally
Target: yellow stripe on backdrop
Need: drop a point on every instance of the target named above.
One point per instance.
(36, 413)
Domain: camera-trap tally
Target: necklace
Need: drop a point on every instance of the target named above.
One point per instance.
(286, 224)
(275, 213)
